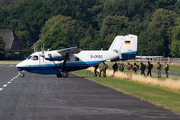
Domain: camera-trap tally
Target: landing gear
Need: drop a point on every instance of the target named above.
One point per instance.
(65, 74)
(62, 74)
(59, 75)
(21, 74)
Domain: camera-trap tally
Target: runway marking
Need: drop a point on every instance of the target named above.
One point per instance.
(5, 85)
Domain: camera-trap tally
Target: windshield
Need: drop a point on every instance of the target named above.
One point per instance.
(34, 57)
(29, 57)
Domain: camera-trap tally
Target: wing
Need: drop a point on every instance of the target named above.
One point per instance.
(72, 50)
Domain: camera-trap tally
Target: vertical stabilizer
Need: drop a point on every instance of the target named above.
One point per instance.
(125, 46)
(129, 47)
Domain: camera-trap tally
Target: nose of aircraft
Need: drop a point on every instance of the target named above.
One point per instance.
(19, 65)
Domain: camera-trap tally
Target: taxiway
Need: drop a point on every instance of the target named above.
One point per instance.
(46, 97)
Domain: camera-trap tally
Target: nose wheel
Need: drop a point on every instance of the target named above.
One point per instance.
(21, 74)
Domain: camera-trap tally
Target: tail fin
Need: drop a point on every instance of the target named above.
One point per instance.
(125, 46)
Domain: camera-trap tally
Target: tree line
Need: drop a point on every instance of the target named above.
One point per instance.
(93, 24)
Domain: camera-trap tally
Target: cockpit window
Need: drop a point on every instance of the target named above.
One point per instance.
(29, 57)
(34, 57)
(76, 59)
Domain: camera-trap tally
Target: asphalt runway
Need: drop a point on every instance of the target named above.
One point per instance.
(46, 97)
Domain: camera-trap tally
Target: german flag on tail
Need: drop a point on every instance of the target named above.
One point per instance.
(127, 42)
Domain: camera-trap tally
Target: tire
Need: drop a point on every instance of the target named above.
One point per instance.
(21, 74)
(59, 75)
(65, 74)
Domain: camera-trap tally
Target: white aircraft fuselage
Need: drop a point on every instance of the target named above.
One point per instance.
(71, 59)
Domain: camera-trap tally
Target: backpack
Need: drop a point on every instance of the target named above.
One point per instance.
(121, 67)
(151, 66)
(136, 68)
(167, 68)
(144, 67)
(131, 66)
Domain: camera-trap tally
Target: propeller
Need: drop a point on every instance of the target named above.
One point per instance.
(42, 49)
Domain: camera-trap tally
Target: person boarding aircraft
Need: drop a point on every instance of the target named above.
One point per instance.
(60, 62)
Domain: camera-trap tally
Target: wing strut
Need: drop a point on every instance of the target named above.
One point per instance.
(64, 63)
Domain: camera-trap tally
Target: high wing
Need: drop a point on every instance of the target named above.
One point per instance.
(66, 52)
(71, 50)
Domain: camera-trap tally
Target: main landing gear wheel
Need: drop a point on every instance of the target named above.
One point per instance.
(59, 75)
(65, 74)
(21, 74)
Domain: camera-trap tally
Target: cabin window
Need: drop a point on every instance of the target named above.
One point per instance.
(35, 57)
(76, 59)
(29, 57)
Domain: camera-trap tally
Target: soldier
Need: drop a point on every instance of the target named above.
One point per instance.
(143, 68)
(130, 70)
(115, 67)
(95, 70)
(103, 67)
(135, 68)
(159, 70)
(121, 67)
(166, 69)
(150, 66)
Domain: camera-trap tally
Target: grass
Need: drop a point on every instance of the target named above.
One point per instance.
(14, 62)
(161, 97)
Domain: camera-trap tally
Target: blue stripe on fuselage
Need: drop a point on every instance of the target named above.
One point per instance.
(126, 56)
(55, 68)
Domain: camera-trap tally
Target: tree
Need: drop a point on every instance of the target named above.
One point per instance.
(74, 30)
(24, 39)
(1, 43)
(55, 38)
(114, 24)
(175, 45)
(164, 21)
(150, 42)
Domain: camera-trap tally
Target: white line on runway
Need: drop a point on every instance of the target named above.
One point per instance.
(5, 85)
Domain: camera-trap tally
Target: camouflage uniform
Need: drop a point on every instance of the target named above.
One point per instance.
(166, 69)
(121, 67)
(130, 70)
(103, 67)
(159, 70)
(135, 68)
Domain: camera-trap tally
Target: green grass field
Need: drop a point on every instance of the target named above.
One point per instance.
(161, 97)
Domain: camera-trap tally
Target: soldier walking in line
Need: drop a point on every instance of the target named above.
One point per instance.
(143, 68)
(166, 69)
(159, 69)
(103, 67)
(95, 70)
(135, 68)
(130, 70)
(121, 67)
(150, 67)
(115, 68)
